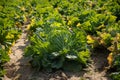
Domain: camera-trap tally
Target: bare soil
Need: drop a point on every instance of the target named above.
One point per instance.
(18, 68)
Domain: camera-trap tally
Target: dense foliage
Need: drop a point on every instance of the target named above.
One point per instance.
(10, 29)
(62, 32)
(54, 43)
(53, 46)
(98, 20)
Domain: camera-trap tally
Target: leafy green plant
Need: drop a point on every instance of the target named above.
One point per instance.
(9, 32)
(53, 46)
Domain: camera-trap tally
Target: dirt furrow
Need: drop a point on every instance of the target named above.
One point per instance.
(18, 67)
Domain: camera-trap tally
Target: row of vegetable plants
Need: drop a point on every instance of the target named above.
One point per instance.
(54, 44)
(11, 21)
(63, 32)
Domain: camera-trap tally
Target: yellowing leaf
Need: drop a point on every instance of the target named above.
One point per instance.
(101, 26)
(69, 22)
(90, 39)
(78, 25)
(9, 52)
(28, 26)
(23, 8)
(13, 43)
(110, 59)
(118, 36)
(10, 36)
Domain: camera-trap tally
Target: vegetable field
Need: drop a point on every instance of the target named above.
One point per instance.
(62, 34)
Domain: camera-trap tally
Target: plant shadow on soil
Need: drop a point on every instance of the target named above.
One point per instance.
(100, 63)
(26, 72)
(99, 56)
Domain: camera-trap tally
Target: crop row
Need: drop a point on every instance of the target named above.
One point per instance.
(11, 21)
(63, 32)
